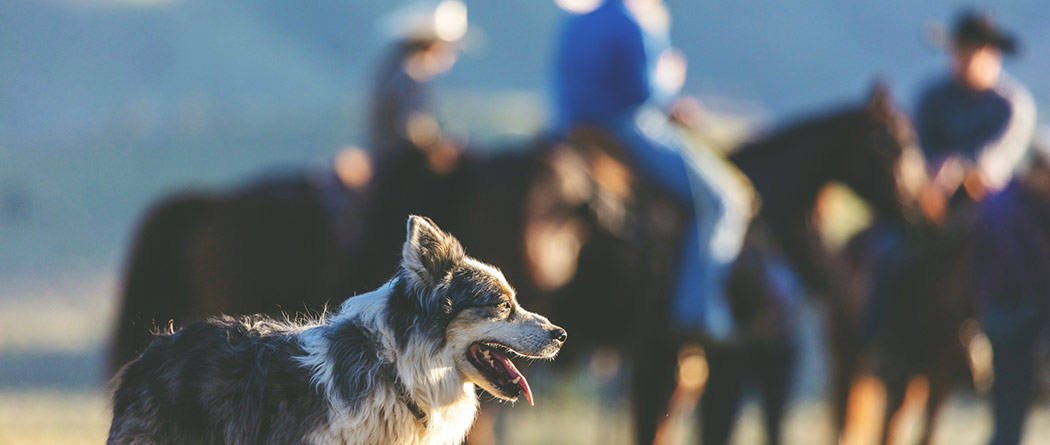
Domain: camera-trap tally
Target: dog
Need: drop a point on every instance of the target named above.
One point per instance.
(397, 365)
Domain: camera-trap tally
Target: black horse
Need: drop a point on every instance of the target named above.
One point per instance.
(296, 243)
(917, 329)
(201, 254)
(859, 146)
(921, 322)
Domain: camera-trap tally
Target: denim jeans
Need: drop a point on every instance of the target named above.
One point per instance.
(699, 300)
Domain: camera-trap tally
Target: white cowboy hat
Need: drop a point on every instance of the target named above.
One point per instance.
(426, 20)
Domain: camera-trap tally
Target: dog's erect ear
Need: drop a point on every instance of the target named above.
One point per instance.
(429, 253)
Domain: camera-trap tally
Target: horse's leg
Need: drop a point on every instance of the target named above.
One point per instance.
(845, 356)
(896, 389)
(801, 245)
(775, 366)
(652, 383)
(720, 403)
(939, 391)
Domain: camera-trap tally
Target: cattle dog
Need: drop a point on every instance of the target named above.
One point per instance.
(398, 365)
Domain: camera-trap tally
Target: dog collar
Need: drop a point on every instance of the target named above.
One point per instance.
(402, 393)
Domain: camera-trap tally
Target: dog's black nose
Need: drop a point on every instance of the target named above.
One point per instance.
(559, 334)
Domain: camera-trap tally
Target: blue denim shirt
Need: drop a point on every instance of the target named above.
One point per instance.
(955, 120)
(992, 128)
(602, 72)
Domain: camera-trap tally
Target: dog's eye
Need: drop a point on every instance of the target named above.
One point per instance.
(503, 306)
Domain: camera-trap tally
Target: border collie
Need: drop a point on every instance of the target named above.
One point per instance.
(396, 365)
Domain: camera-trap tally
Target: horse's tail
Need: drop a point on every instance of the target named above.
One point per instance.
(156, 285)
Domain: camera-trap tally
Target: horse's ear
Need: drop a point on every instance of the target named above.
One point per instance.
(428, 253)
(880, 101)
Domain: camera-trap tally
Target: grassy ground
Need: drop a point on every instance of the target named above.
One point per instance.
(51, 358)
(43, 416)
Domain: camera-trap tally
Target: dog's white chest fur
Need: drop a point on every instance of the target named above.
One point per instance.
(449, 402)
(392, 423)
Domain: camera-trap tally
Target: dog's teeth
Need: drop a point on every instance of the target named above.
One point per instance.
(516, 380)
(487, 355)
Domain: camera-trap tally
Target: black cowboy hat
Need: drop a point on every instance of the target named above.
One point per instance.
(974, 28)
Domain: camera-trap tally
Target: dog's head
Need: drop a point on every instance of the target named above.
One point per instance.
(468, 308)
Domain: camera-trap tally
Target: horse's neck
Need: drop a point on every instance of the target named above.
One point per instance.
(789, 167)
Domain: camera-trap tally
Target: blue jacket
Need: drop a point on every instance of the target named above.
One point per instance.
(992, 128)
(602, 69)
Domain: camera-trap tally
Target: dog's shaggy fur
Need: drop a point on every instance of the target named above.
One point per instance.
(396, 365)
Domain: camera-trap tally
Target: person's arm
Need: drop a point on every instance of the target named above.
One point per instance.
(998, 159)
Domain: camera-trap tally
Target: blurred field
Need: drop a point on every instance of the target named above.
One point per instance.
(47, 416)
(51, 387)
(52, 338)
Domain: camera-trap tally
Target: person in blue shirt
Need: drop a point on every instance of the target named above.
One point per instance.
(601, 70)
(615, 70)
(976, 124)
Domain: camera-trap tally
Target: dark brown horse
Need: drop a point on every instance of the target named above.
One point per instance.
(921, 295)
(917, 316)
(296, 244)
(861, 147)
(917, 330)
(202, 254)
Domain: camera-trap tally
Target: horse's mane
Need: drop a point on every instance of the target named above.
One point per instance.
(797, 136)
(788, 166)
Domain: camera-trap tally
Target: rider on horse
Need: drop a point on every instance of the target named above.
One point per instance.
(615, 71)
(424, 46)
(975, 125)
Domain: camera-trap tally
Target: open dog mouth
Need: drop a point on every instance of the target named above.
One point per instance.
(492, 360)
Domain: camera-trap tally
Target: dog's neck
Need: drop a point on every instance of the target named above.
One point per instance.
(389, 371)
(426, 371)
(426, 368)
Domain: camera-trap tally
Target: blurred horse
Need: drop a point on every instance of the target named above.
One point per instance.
(925, 324)
(299, 242)
(861, 147)
(262, 248)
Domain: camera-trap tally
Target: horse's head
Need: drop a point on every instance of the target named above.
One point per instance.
(582, 195)
(883, 163)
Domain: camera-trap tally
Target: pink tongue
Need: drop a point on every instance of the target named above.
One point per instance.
(514, 373)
